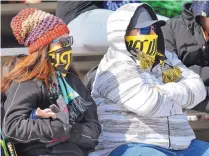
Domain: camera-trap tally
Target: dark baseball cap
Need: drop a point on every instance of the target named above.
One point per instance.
(200, 8)
(142, 19)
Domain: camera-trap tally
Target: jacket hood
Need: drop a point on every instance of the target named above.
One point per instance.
(187, 7)
(187, 13)
(118, 22)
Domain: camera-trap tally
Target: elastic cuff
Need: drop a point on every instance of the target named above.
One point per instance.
(33, 115)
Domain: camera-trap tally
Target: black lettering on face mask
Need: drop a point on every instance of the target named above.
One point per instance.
(129, 44)
(152, 49)
(139, 45)
(61, 59)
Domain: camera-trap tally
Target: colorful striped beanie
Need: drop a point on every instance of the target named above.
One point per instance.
(35, 28)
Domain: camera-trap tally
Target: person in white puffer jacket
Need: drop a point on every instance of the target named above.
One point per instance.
(141, 90)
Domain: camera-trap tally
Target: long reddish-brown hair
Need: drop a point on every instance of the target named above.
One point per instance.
(35, 65)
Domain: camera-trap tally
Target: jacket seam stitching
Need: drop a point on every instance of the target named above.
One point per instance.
(6, 114)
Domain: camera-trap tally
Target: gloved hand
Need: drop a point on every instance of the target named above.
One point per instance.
(62, 112)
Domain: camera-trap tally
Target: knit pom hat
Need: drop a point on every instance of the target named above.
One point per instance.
(35, 28)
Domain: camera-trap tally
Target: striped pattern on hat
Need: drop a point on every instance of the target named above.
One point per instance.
(35, 28)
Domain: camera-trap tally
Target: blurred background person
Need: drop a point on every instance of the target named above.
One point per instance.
(188, 36)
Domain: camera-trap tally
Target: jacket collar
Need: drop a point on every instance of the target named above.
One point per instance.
(187, 12)
(189, 18)
(188, 15)
(193, 26)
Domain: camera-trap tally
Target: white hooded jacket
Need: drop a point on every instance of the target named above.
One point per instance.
(136, 106)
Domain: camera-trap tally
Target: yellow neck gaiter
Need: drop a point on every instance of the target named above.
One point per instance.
(146, 45)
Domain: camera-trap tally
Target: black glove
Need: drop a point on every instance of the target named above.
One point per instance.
(62, 114)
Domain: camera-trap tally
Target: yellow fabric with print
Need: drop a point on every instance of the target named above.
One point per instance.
(147, 47)
(61, 58)
(145, 43)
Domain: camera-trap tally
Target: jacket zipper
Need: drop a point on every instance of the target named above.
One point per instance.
(169, 139)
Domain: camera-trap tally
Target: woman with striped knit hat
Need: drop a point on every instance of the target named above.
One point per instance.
(48, 111)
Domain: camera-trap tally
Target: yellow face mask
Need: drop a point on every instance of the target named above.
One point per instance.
(60, 58)
(145, 43)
